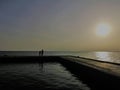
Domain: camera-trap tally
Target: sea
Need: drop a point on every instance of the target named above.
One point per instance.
(47, 75)
(113, 57)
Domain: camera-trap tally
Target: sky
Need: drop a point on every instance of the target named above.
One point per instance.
(58, 25)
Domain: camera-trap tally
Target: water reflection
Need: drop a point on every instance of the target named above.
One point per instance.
(104, 56)
(38, 76)
(40, 65)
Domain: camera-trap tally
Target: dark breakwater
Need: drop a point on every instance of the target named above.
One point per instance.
(94, 79)
(11, 59)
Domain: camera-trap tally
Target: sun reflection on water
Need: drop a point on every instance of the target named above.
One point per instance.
(104, 56)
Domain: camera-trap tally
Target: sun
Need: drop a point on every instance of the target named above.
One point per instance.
(103, 29)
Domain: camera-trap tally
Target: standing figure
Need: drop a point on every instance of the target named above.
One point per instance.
(39, 53)
(42, 52)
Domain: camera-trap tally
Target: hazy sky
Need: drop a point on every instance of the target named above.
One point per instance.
(58, 24)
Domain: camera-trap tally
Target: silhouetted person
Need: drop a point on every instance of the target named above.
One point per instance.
(39, 53)
(42, 52)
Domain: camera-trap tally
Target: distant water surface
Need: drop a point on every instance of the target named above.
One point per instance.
(103, 56)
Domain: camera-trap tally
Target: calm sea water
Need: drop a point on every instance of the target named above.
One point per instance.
(103, 56)
(40, 76)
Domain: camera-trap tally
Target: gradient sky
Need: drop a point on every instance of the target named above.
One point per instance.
(58, 24)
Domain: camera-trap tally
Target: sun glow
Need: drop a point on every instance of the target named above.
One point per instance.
(103, 29)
